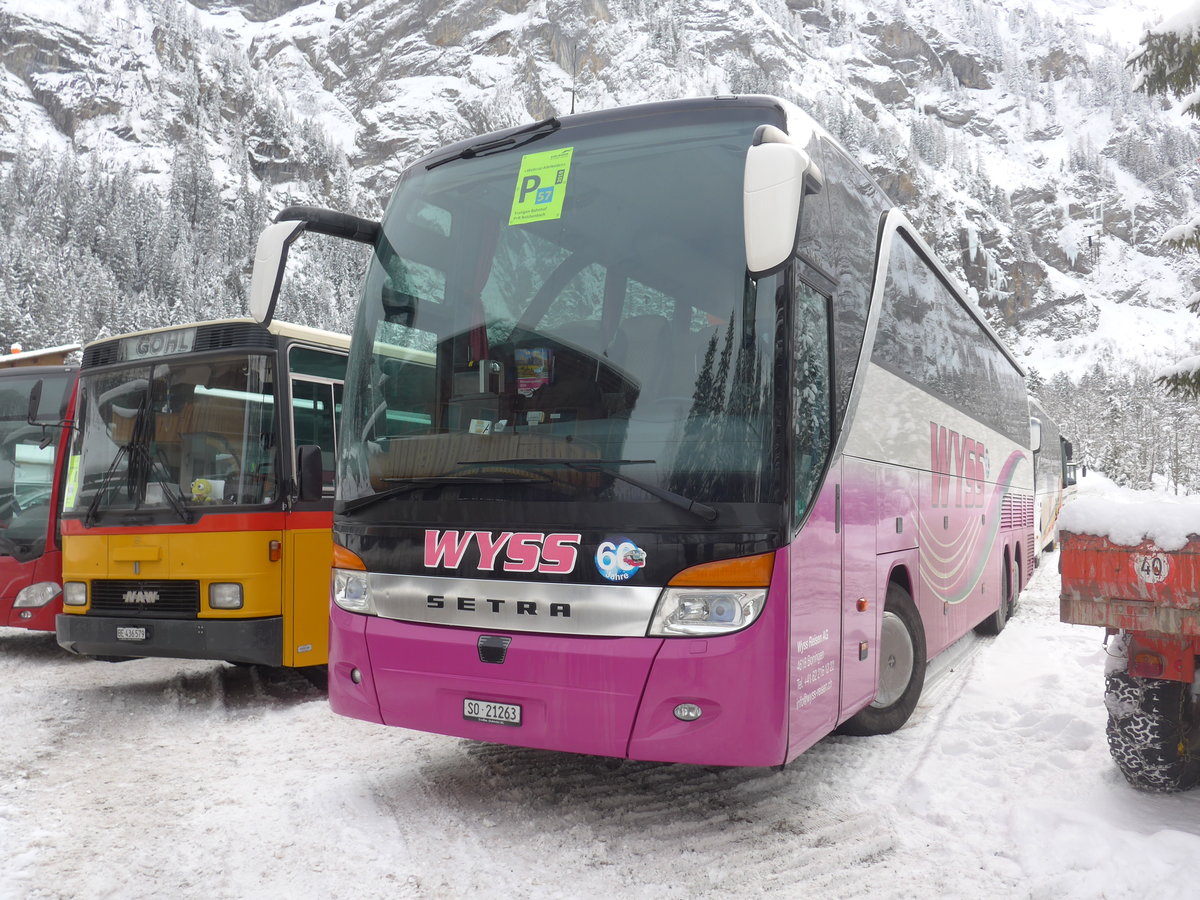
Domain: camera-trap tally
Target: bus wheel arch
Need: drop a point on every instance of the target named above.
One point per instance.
(902, 660)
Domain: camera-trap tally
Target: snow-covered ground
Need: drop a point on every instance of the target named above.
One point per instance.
(162, 778)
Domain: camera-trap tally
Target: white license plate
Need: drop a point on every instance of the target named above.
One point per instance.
(130, 633)
(493, 713)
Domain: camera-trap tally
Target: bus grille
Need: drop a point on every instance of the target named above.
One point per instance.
(159, 599)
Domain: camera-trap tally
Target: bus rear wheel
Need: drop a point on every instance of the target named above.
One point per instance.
(901, 668)
(1153, 731)
(994, 624)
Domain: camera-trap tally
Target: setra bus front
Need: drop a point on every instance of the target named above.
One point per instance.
(566, 494)
(33, 445)
(188, 531)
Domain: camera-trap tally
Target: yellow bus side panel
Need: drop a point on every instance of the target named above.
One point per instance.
(309, 557)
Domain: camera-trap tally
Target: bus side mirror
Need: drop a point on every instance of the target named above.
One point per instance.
(31, 417)
(1035, 434)
(777, 176)
(270, 256)
(311, 472)
(35, 402)
(270, 260)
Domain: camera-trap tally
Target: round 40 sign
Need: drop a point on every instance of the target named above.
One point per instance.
(1152, 568)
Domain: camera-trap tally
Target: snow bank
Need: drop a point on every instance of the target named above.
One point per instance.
(1128, 517)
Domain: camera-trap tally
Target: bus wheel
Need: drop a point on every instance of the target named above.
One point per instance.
(901, 668)
(1153, 731)
(994, 624)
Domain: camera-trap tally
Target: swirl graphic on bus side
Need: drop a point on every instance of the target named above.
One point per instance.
(619, 559)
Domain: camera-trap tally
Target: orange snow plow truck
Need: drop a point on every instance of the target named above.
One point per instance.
(1148, 599)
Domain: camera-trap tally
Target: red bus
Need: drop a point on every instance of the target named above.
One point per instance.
(33, 453)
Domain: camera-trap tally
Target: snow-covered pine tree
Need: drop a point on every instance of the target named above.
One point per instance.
(1168, 62)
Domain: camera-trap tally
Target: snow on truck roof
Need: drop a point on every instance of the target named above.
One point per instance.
(1128, 517)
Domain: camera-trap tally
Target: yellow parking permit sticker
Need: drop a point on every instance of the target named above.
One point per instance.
(72, 486)
(541, 186)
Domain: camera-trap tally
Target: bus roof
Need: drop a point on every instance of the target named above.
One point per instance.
(50, 356)
(282, 329)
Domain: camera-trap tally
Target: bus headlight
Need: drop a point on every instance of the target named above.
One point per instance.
(38, 594)
(351, 591)
(702, 611)
(75, 593)
(225, 596)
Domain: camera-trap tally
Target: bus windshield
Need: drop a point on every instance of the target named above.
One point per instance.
(180, 434)
(26, 466)
(570, 322)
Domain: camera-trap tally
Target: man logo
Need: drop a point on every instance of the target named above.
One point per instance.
(142, 598)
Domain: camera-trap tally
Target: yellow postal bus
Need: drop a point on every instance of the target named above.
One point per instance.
(198, 504)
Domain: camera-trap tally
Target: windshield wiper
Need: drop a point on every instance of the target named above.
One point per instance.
(408, 485)
(512, 139)
(610, 467)
(170, 490)
(93, 509)
(139, 466)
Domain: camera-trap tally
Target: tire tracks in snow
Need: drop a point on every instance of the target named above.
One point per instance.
(664, 830)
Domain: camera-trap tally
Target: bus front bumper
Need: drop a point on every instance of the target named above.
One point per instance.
(255, 641)
(598, 696)
(38, 618)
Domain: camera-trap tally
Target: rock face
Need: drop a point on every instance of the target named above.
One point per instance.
(1001, 119)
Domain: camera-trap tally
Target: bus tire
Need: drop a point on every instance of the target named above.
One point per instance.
(901, 668)
(994, 624)
(1153, 731)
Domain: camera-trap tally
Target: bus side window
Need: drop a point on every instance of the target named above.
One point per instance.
(810, 394)
(314, 421)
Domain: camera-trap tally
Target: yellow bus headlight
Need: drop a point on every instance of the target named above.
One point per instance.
(225, 596)
(75, 593)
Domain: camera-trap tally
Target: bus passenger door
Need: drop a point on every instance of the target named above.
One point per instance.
(861, 598)
(814, 582)
(308, 541)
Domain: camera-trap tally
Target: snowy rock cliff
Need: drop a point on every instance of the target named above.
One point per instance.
(1007, 127)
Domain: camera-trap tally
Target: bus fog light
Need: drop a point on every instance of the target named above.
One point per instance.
(356, 676)
(351, 591)
(688, 712)
(698, 611)
(75, 593)
(225, 596)
(37, 594)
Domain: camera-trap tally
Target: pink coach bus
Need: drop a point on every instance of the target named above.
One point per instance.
(665, 437)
